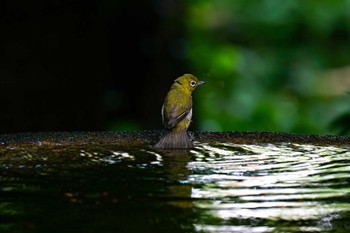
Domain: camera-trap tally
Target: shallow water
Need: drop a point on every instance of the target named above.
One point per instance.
(219, 187)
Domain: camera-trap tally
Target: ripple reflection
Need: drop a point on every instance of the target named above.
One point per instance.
(271, 182)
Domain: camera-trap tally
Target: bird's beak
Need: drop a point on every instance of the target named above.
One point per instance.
(201, 82)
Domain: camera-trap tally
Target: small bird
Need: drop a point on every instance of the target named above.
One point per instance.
(177, 113)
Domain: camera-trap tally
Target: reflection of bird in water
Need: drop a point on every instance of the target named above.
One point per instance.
(176, 169)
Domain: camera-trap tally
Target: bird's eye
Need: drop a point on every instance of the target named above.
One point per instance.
(193, 83)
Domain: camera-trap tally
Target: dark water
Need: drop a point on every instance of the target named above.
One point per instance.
(212, 188)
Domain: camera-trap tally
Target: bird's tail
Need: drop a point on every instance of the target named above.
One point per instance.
(174, 140)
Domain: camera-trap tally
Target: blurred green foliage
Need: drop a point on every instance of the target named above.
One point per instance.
(271, 65)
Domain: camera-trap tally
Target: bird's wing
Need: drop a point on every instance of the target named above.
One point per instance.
(176, 113)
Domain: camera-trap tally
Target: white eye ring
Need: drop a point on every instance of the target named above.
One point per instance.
(193, 83)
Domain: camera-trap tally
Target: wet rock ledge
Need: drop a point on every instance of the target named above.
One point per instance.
(148, 137)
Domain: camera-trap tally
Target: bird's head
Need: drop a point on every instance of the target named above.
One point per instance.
(188, 82)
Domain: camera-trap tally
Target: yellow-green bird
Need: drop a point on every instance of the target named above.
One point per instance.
(177, 113)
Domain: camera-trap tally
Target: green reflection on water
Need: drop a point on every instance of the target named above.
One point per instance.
(270, 184)
(212, 188)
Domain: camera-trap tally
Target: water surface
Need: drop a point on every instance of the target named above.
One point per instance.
(217, 187)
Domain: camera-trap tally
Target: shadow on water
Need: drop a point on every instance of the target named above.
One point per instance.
(218, 187)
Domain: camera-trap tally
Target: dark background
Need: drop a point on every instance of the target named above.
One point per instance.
(86, 65)
(107, 65)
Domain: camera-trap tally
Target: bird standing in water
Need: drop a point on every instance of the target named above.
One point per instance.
(177, 113)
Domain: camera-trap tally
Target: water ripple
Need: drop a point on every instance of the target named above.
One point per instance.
(223, 187)
(285, 181)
